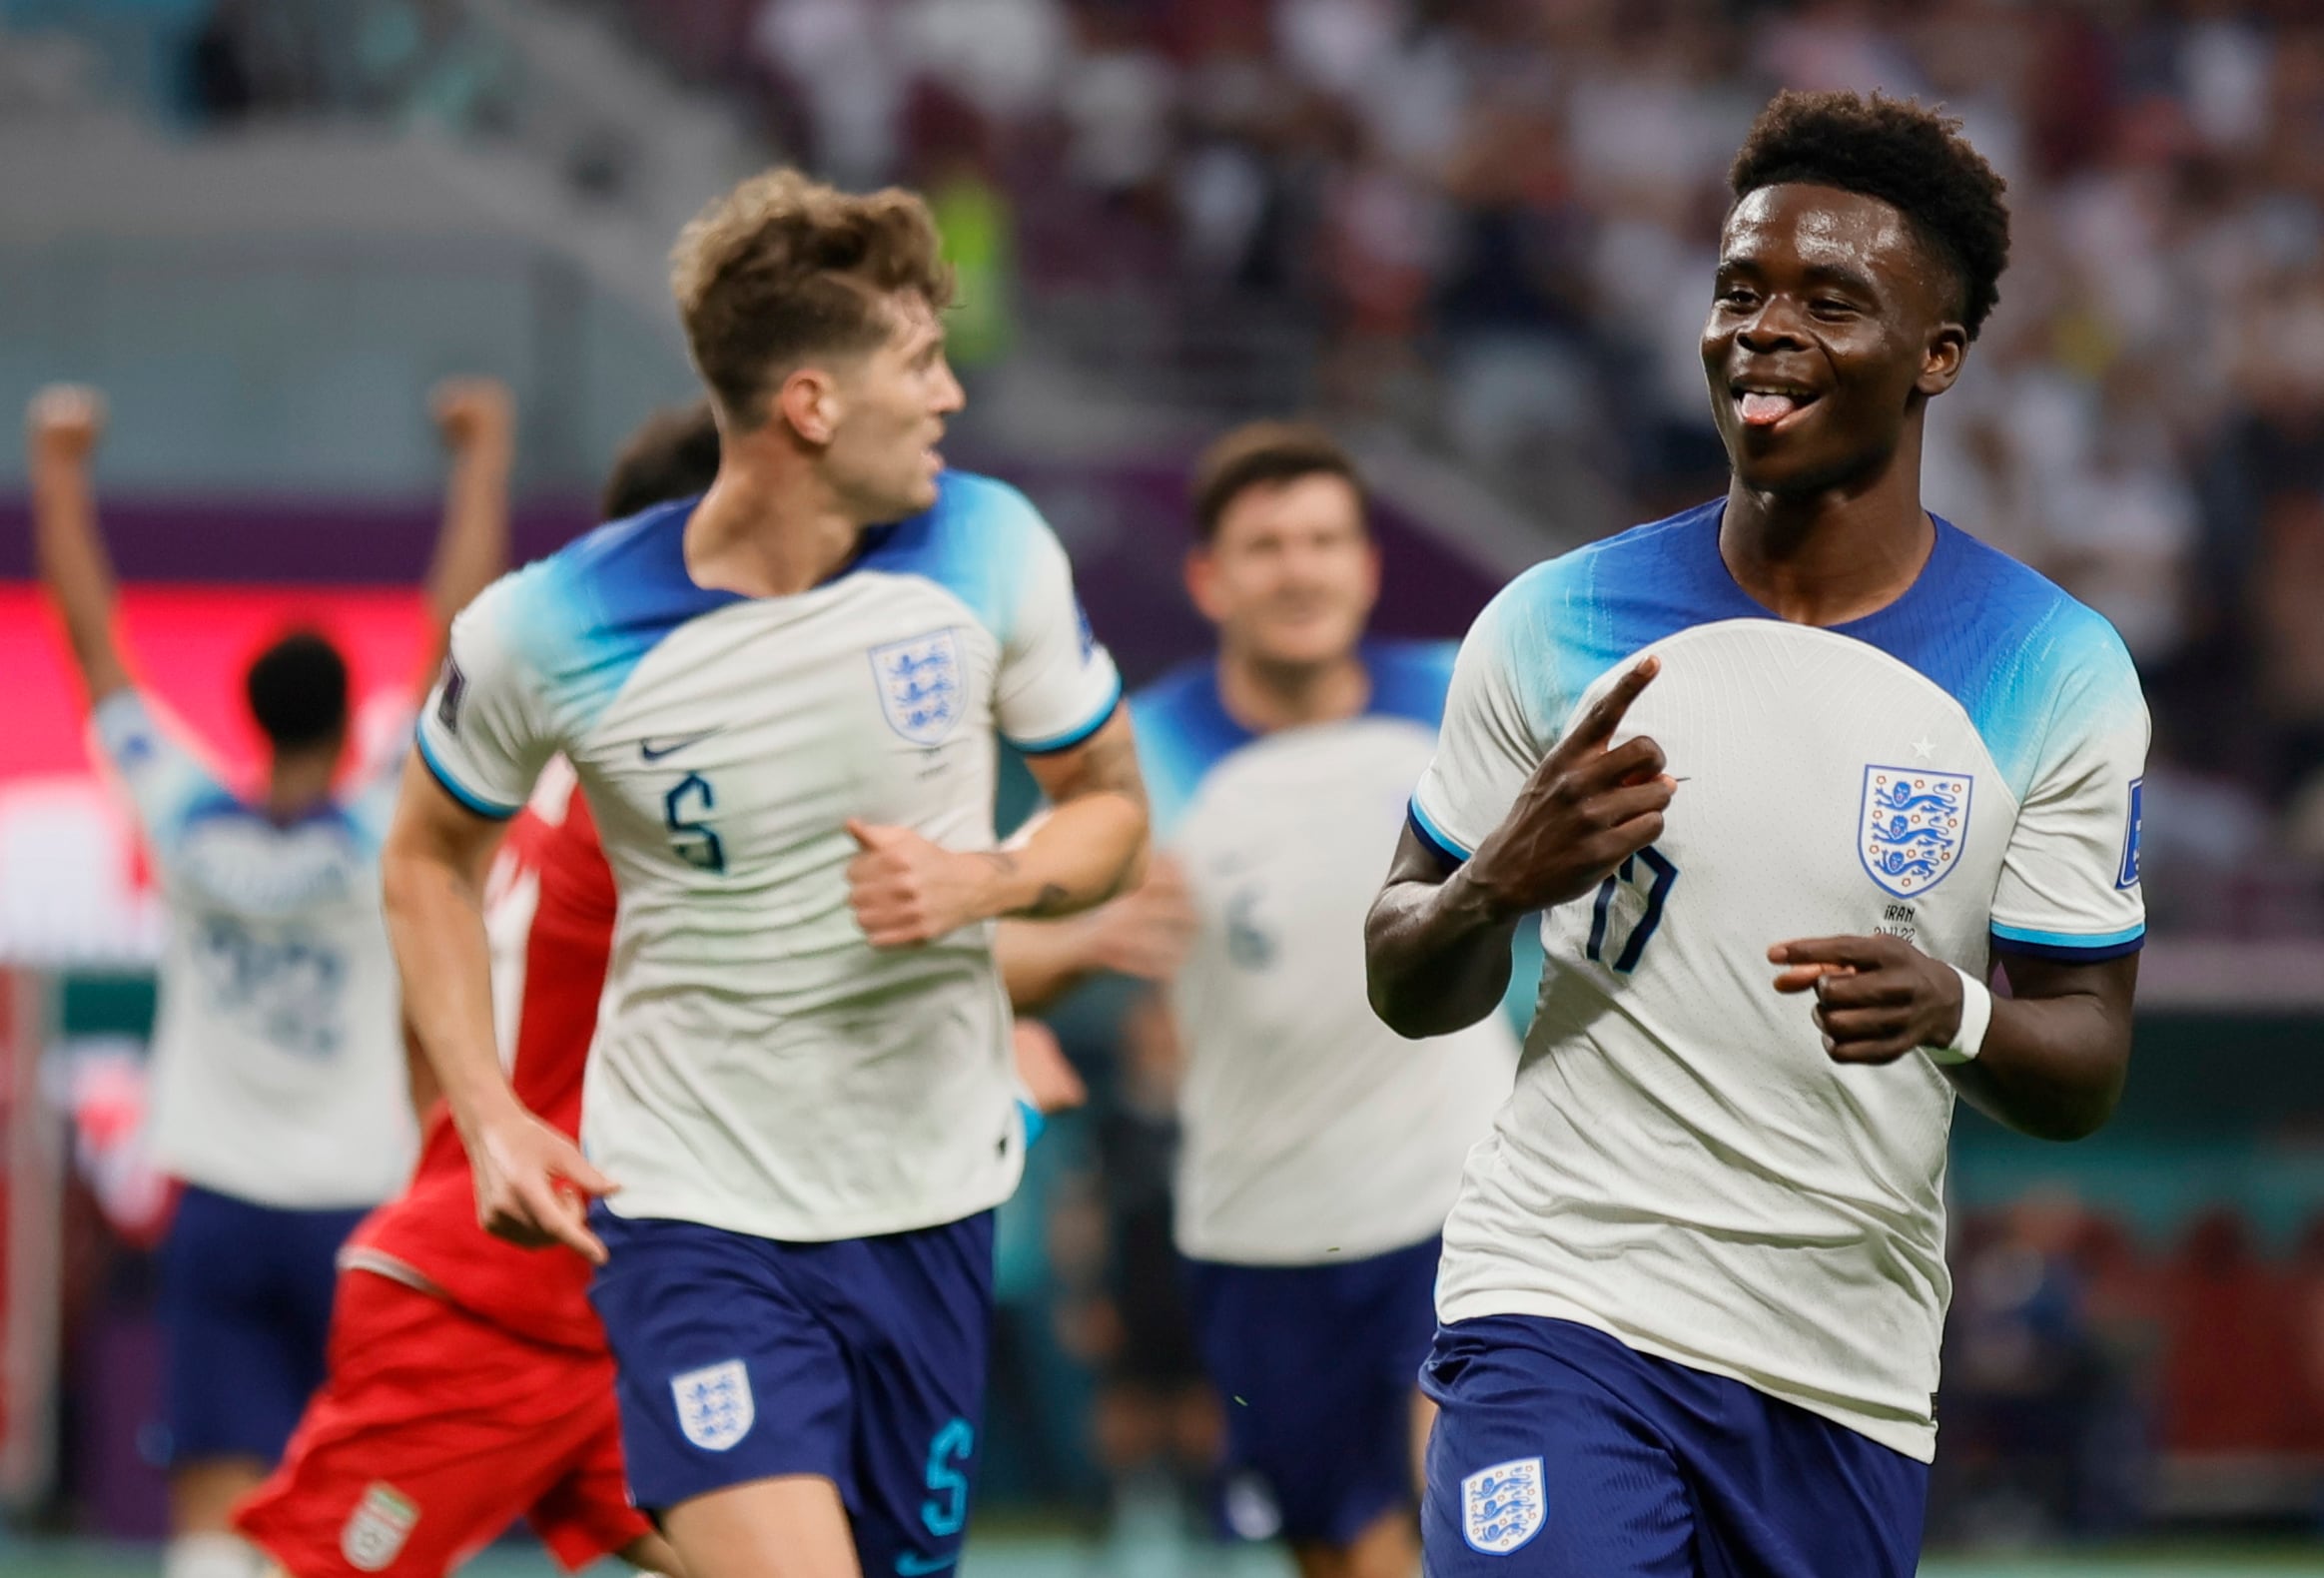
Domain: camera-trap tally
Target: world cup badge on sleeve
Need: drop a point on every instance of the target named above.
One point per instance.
(716, 1408)
(1911, 826)
(1503, 1506)
(921, 689)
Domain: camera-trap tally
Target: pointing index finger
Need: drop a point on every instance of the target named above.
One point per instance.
(1860, 952)
(1605, 716)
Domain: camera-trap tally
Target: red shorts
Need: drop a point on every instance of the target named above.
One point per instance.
(434, 1432)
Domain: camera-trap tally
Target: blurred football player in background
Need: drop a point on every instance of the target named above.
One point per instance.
(1321, 1149)
(279, 1091)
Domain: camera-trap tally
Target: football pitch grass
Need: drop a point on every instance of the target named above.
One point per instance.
(1038, 1557)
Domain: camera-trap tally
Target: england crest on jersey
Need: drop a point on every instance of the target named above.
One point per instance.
(1911, 826)
(921, 685)
(1503, 1506)
(716, 1408)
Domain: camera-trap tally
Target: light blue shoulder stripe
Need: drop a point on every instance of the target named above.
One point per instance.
(2042, 938)
(1079, 733)
(1446, 845)
(482, 805)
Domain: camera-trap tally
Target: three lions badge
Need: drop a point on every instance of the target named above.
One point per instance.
(921, 685)
(715, 1407)
(1503, 1506)
(1910, 825)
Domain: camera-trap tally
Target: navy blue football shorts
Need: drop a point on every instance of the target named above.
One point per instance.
(1561, 1453)
(1316, 1368)
(860, 1361)
(246, 1320)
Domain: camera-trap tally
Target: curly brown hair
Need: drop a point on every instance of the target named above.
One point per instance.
(1907, 155)
(783, 268)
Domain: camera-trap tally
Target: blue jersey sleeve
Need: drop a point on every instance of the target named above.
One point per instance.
(2069, 885)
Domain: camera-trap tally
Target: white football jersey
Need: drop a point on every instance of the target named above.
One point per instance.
(278, 1049)
(1681, 1164)
(1312, 1133)
(758, 1066)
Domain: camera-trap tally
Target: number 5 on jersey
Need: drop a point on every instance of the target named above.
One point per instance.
(691, 840)
(1648, 872)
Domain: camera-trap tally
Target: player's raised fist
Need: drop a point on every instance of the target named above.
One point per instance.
(534, 1186)
(64, 422)
(1877, 997)
(906, 890)
(1587, 808)
(473, 410)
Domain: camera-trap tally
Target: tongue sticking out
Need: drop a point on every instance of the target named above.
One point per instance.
(1764, 411)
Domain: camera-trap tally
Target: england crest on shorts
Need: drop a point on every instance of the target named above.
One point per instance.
(714, 1404)
(1910, 825)
(1503, 1506)
(376, 1531)
(921, 685)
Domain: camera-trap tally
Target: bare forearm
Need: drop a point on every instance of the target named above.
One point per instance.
(436, 927)
(2056, 1051)
(473, 545)
(78, 573)
(1089, 849)
(1436, 955)
(2052, 1067)
(1040, 961)
(418, 1077)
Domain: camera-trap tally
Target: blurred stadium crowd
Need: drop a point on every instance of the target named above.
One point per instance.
(2092, 1381)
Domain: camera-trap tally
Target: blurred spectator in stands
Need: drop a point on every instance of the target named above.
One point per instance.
(2028, 1396)
(2305, 1285)
(1513, 303)
(2226, 1384)
(840, 59)
(218, 69)
(2291, 626)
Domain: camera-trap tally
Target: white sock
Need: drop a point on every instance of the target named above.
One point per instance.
(218, 1555)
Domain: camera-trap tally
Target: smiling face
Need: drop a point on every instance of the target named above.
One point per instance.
(1832, 325)
(1290, 575)
(887, 415)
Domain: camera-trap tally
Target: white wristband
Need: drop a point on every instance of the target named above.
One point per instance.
(1976, 1011)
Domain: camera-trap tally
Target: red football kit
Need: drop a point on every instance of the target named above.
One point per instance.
(469, 1384)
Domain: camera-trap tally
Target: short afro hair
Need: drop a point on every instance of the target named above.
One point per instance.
(1907, 155)
(298, 691)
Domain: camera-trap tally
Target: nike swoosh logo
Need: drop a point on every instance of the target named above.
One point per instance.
(910, 1566)
(655, 750)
